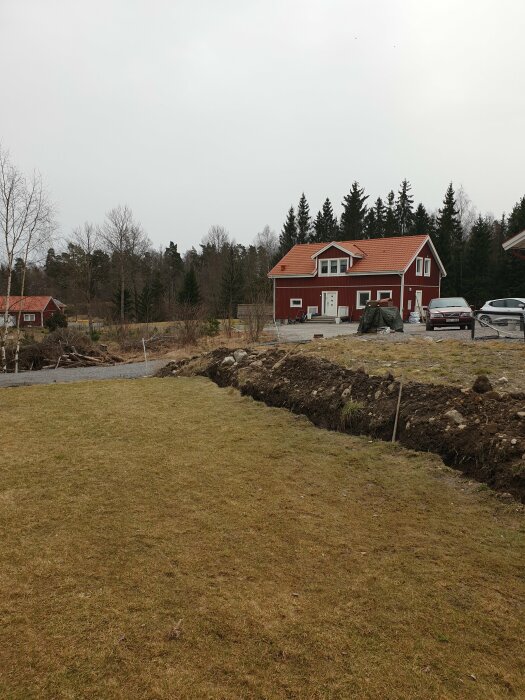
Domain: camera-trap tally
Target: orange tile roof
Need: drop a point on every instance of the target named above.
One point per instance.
(379, 255)
(17, 303)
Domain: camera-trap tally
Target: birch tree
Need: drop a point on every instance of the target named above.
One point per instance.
(124, 239)
(84, 242)
(26, 220)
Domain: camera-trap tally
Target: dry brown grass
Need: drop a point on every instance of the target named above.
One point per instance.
(453, 362)
(169, 539)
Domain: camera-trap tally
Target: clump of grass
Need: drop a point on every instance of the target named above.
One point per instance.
(351, 412)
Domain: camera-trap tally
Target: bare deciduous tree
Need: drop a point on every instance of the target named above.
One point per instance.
(124, 239)
(85, 240)
(26, 219)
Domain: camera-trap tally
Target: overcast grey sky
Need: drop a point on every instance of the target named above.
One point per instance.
(222, 112)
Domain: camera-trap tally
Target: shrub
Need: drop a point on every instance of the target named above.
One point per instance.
(211, 327)
(57, 320)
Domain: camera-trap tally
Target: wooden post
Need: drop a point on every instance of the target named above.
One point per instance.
(397, 409)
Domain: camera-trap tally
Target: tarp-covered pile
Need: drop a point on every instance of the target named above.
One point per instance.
(375, 317)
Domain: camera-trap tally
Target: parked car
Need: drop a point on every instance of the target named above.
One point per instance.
(449, 311)
(502, 310)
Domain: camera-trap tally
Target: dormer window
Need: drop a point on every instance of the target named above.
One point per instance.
(333, 266)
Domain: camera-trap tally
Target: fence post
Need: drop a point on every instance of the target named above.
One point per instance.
(145, 355)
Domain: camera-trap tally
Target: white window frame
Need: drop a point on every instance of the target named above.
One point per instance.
(384, 291)
(357, 299)
(29, 317)
(312, 309)
(329, 262)
(426, 267)
(296, 306)
(419, 267)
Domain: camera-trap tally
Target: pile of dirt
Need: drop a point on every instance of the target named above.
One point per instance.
(482, 434)
(62, 348)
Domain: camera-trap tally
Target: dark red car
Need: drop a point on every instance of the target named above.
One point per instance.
(449, 311)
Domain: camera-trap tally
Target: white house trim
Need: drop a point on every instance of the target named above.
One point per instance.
(517, 242)
(434, 253)
(339, 247)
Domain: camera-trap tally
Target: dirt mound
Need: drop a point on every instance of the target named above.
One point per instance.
(483, 435)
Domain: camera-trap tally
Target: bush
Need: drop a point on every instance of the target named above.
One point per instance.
(95, 336)
(211, 327)
(57, 320)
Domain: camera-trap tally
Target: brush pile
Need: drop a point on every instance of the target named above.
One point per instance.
(62, 348)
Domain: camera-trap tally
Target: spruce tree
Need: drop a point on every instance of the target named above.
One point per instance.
(477, 283)
(515, 263)
(354, 212)
(403, 208)
(421, 221)
(232, 280)
(325, 228)
(190, 293)
(288, 237)
(379, 220)
(370, 224)
(304, 223)
(390, 216)
(449, 238)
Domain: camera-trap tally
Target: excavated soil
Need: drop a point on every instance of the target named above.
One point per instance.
(481, 434)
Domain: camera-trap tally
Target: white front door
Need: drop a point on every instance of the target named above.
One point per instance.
(329, 303)
(419, 301)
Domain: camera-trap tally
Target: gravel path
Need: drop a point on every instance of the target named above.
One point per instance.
(59, 376)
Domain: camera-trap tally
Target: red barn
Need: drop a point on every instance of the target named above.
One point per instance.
(34, 311)
(338, 278)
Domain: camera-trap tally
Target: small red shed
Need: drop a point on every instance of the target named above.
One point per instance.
(338, 278)
(33, 310)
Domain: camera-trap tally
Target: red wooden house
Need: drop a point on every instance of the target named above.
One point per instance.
(338, 278)
(34, 311)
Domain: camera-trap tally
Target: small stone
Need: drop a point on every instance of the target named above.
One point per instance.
(513, 441)
(407, 426)
(239, 355)
(346, 393)
(455, 416)
(520, 414)
(377, 394)
(502, 380)
(314, 392)
(391, 387)
(228, 361)
(462, 426)
(256, 363)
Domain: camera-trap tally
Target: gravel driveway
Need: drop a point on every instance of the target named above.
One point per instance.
(59, 376)
(305, 331)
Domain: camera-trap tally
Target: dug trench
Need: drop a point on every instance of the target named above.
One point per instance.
(481, 434)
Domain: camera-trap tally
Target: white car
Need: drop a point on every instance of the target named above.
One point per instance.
(501, 310)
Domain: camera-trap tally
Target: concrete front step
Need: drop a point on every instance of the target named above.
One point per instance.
(321, 319)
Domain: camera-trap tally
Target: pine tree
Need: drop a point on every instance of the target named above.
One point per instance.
(325, 228)
(403, 208)
(354, 212)
(390, 217)
(288, 237)
(190, 293)
(421, 221)
(304, 223)
(449, 237)
(477, 284)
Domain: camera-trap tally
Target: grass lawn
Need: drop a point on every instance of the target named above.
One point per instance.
(166, 539)
(453, 362)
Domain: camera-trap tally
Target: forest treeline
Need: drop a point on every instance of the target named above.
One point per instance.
(110, 269)
(468, 243)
